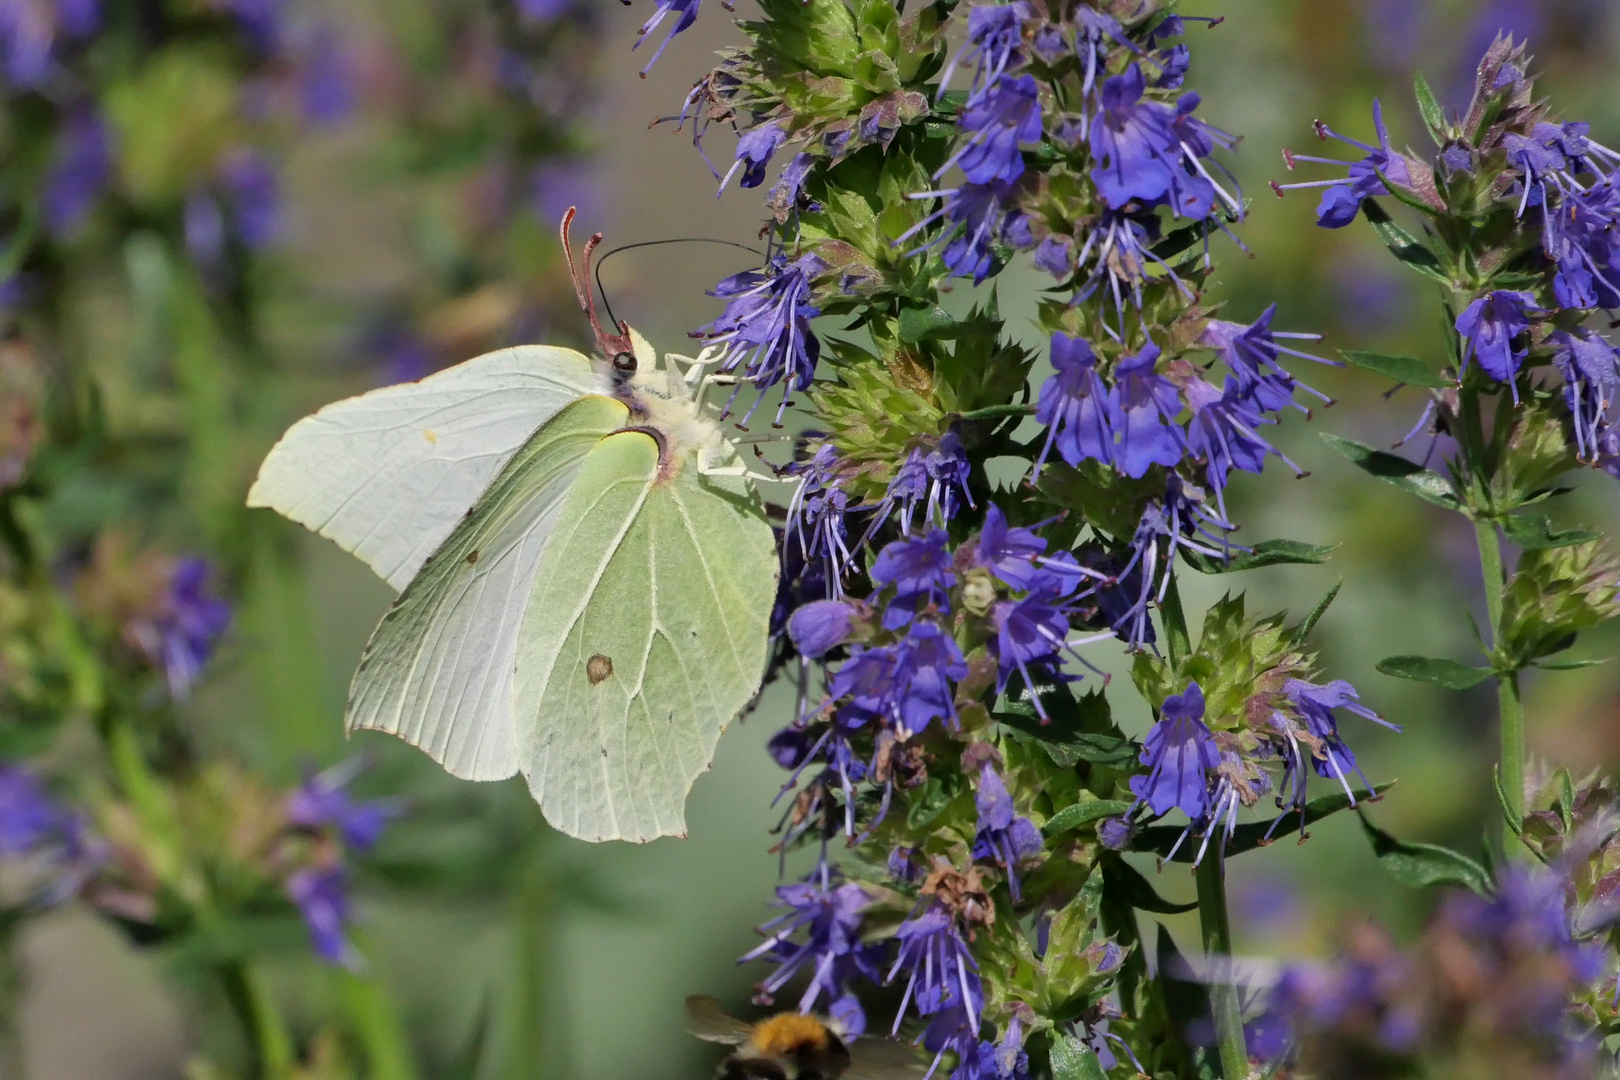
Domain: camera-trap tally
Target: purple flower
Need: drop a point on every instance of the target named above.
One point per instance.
(1147, 406)
(1316, 706)
(1006, 114)
(820, 626)
(326, 78)
(1012, 554)
(26, 35)
(765, 328)
(79, 173)
(1055, 255)
(1119, 250)
(939, 476)
(916, 565)
(322, 896)
(941, 974)
(816, 517)
(1180, 753)
(927, 663)
(1253, 355)
(1581, 234)
(204, 228)
(254, 195)
(260, 20)
(1078, 410)
(1134, 143)
(322, 801)
(545, 10)
(976, 216)
(687, 10)
(1004, 836)
(995, 44)
(831, 951)
(1223, 433)
(1181, 519)
(1342, 200)
(1591, 370)
(1032, 635)
(78, 18)
(1488, 327)
(754, 151)
(180, 634)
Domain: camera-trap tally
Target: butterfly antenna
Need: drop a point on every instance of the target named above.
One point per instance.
(659, 243)
(610, 345)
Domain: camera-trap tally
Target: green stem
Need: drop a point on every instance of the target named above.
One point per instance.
(270, 1048)
(529, 1053)
(993, 412)
(1223, 995)
(1510, 707)
(377, 1026)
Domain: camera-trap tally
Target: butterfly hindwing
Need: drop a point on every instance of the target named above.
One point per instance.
(438, 669)
(644, 636)
(387, 475)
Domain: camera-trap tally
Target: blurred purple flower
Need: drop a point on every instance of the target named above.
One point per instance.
(820, 626)
(326, 78)
(322, 896)
(79, 173)
(179, 635)
(204, 226)
(27, 31)
(322, 801)
(254, 195)
(1003, 836)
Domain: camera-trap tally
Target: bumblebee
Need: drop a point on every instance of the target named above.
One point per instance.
(791, 1046)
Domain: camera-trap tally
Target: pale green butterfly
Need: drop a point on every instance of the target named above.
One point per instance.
(585, 570)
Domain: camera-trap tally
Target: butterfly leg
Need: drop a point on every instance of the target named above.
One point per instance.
(707, 467)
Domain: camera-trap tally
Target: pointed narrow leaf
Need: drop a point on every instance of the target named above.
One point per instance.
(1446, 673)
(1571, 665)
(1083, 813)
(1407, 248)
(1420, 866)
(1403, 369)
(1426, 485)
(1159, 839)
(1304, 629)
(919, 324)
(1429, 106)
(1534, 532)
(1125, 881)
(1265, 553)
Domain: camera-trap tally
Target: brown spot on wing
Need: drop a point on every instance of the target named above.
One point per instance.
(598, 669)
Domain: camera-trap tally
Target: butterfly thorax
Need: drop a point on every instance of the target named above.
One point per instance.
(685, 431)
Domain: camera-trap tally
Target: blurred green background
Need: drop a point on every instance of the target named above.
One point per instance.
(621, 934)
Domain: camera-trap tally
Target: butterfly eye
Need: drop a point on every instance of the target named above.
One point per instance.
(624, 363)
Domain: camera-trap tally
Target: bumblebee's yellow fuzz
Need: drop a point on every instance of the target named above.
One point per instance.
(788, 1033)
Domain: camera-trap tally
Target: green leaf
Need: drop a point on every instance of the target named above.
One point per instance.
(1421, 866)
(1072, 1059)
(1159, 839)
(1083, 813)
(1534, 532)
(1434, 117)
(1304, 629)
(928, 805)
(1123, 880)
(1415, 479)
(1446, 673)
(1403, 369)
(920, 324)
(1571, 665)
(1078, 730)
(1407, 248)
(1509, 814)
(1265, 553)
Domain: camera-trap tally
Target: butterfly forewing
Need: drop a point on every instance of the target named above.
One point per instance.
(387, 475)
(438, 669)
(645, 635)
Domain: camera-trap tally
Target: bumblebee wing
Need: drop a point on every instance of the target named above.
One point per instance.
(884, 1059)
(707, 1020)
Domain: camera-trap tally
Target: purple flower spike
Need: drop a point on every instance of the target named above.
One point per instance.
(1004, 836)
(322, 896)
(1078, 410)
(820, 626)
(1253, 354)
(995, 44)
(1488, 327)
(1342, 200)
(1180, 752)
(920, 564)
(1148, 405)
(687, 10)
(1224, 434)
(254, 194)
(322, 801)
(1316, 705)
(26, 36)
(977, 216)
(765, 328)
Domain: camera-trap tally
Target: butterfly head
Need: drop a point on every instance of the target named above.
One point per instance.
(619, 347)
